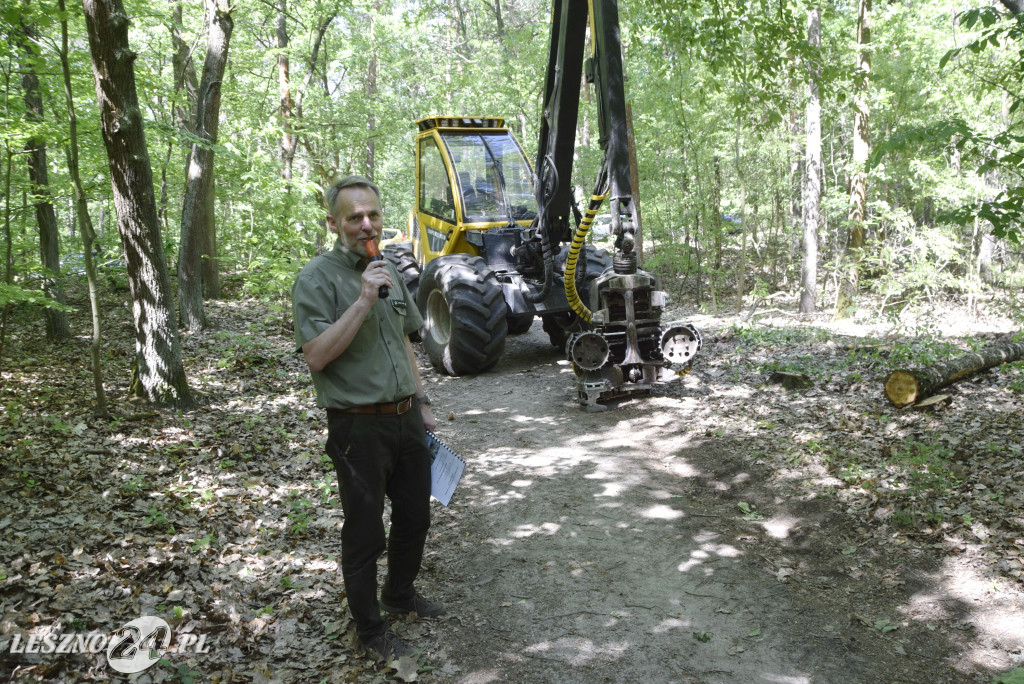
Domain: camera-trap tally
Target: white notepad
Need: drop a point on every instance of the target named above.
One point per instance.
(445, 469)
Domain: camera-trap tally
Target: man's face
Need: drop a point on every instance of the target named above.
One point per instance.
(357, 218)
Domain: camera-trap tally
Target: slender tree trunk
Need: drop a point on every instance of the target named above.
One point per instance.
(84, 221)
(850, 283)
(184, 73)
(717, 220)
(46, 218)
(197, 216)
(499, 21)
(741, 279)
(986, 253)
(812, 168)
(371, 96)
(8, 245)
(183, 112)
(158, 374)
(286, 109)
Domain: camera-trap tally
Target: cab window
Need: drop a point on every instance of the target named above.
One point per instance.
(435, 192)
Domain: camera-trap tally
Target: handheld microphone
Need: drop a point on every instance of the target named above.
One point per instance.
(374, 253)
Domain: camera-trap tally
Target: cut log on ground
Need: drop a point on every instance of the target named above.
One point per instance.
(904, 387)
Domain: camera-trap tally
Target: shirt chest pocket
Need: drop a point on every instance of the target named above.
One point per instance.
(398, 305)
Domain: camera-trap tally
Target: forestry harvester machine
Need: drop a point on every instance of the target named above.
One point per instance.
(496, 242)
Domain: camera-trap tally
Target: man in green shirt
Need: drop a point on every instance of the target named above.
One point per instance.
(356, 344)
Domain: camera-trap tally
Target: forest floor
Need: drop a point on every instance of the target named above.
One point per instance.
(721, 529)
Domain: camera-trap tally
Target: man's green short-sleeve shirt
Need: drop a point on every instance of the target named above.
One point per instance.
(375, 367)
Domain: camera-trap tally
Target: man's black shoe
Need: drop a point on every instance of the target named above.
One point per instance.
(418, 605)
(388, 646)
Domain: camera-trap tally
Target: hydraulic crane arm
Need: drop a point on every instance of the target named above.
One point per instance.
(566, 68)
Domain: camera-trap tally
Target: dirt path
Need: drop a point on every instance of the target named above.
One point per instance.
(721, 530)
(658, 542)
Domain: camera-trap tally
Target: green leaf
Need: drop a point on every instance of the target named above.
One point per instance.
(884, 627)
(1015, 676)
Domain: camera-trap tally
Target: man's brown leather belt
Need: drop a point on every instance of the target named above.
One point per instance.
(398, 407)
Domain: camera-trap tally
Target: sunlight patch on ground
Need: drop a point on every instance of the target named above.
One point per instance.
(668, 624)
(481, 412)
(737, 391)
(580, 651)
(990, 601)
(786, 679)
(661, 512)
(682, 469)
(528, 530)
(708, 552)
(779, 526)
(610, 488)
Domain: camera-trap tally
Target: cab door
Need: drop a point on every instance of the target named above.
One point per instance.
(435, 201)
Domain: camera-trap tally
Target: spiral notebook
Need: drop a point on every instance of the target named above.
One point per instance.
(446, 468)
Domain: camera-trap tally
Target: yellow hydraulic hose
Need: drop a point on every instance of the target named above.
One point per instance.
(578, 238)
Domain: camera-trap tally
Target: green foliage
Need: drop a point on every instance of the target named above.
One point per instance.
(922, 466)
(1015, 676)
(301, 511)
(14, 295)
(777, 337)
(717, 92)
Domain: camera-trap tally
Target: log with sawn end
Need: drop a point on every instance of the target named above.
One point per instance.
(905, 387)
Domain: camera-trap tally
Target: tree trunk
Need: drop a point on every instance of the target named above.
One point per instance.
(986, 252)
(812, 181)
(371, 96)
(286, 110)
(184, 113)
(158, 374)
(850, 283)
(717, 219)
(1015, 6)
(197, 215)
(49, 234)
(8, 246)
(184, 73)
(741, 280)
(84, 221)
(904, 387)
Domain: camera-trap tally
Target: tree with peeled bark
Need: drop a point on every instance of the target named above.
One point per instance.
(157, 374)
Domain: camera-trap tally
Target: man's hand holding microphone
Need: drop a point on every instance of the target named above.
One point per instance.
(374, 274)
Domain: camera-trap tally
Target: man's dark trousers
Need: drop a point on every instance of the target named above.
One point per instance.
(374, 456)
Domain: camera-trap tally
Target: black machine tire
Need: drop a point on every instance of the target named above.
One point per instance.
(598, 261)
(464, 309)
(404, 261)
(557, 325)
(519, 324)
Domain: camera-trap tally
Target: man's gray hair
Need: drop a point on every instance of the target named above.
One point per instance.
(331, 195)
